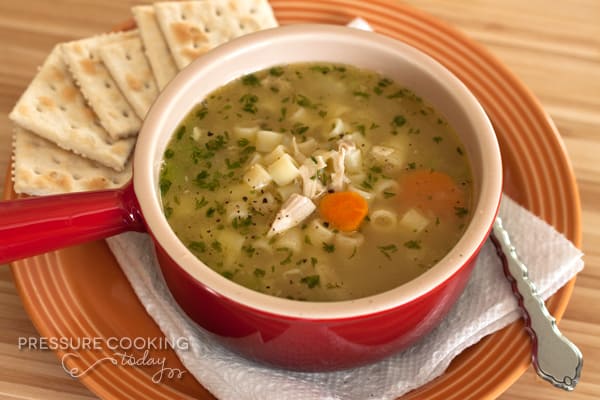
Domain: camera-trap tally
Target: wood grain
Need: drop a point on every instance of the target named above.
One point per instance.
(553, 47)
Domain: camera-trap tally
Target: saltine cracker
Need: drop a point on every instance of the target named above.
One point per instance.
(53, 107)
(41, 168)
(97, 85)
(160, 58)
(127, 64)
(191, 28)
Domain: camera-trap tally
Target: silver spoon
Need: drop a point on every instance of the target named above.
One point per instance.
(555, 358)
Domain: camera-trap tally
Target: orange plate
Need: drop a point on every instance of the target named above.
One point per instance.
(81, 291)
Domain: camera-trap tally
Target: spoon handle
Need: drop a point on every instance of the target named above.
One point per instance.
(555, 358)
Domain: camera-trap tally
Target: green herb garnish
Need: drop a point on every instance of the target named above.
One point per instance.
(250, 80)
(413, 244)
(276, 71)
(329, 248)
(387, 250)
(165, 185)
(399, 120)
(460, 211)
(199, 247)
(311, 281)
(249, 103)
(180, 132)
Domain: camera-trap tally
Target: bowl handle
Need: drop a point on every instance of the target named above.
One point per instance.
(35, 225)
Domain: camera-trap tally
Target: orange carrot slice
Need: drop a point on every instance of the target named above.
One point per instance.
(431, 190)
(344, 210)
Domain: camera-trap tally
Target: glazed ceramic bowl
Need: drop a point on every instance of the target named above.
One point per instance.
(294, 334)
(311, 335)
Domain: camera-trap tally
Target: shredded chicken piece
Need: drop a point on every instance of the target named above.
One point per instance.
(311, 185)
(295, 210)
(338, 177)
(298, 155)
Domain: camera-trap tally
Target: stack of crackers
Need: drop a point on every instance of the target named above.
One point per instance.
(76, 123)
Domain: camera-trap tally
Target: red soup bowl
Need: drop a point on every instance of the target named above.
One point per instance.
(292, 334)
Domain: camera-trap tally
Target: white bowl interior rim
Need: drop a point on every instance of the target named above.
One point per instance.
(325, 43)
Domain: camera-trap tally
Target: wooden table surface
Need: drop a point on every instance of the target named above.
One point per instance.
(554, 47)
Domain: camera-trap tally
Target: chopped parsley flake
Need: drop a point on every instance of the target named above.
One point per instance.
(180, 132)
(169, 153)
(199, 247)
(276, 71)
(437, 139)
(288, 258)
(206, 181)
(250, 80)
(201, 113)
(216, 245)
(259, 273)
(329, 248)
(399, 120)
(298, 129)
(227, 274)
(249, 103)
(201, 203)
(413, 244)
(165, 185)
(249, 250)
(387, 250)
(311, 281)
(304, 101)
(461, 211)
(321, 68)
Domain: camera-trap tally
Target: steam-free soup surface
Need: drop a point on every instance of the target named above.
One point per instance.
(316, 182)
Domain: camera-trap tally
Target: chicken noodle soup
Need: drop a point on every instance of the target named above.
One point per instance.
(316, 182)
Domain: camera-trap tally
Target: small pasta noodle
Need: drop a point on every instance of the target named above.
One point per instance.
(318, 233)
(384, 220)
(385, 188)
(347, 244)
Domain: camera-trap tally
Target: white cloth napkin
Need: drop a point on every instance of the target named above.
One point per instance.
(486, 306)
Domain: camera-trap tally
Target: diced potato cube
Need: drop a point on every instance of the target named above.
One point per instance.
(245, 132)
(257, 177)
(414, 220)
(292, 239)
(283, 170)
(231, 245)
(267, 140)
(274, 155)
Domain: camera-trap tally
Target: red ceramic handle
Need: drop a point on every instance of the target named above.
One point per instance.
(36, 225)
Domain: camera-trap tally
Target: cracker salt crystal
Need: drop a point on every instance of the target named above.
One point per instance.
(97, 85)
(156, 49)
(53, 107)
(191, 28)
(127, 64)
(41, 168)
